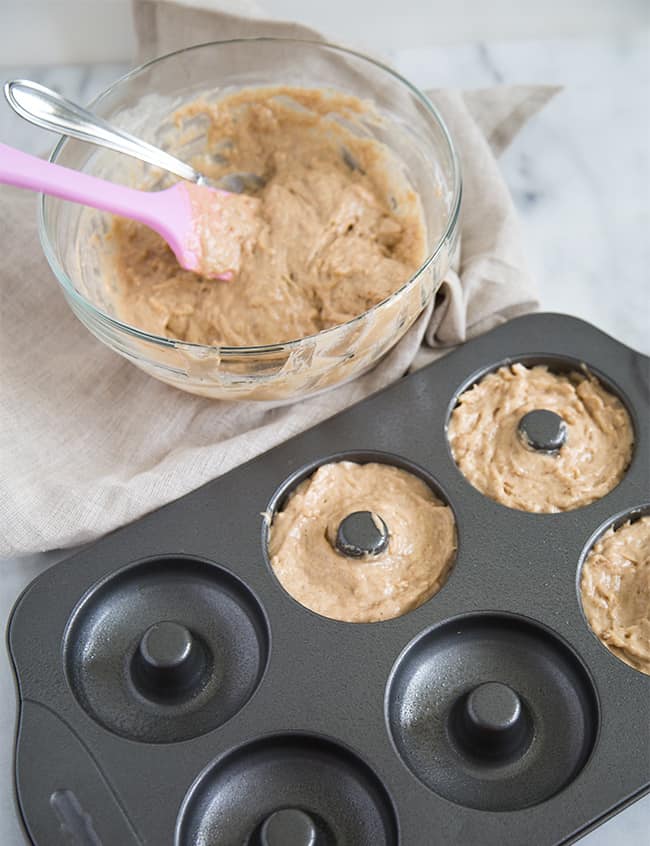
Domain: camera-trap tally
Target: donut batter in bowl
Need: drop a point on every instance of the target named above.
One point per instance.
(340, 230)
(410, 568)
(595, 440)
(615, 591)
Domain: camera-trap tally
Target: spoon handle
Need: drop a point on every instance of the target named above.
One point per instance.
(47, 109)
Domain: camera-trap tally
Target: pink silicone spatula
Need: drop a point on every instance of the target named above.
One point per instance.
(207, 229)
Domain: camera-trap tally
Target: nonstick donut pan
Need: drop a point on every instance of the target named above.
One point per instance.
(172, 692)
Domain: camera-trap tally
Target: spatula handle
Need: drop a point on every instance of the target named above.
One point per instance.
(25, 171)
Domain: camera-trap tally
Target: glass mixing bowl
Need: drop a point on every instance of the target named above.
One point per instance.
(143, 102)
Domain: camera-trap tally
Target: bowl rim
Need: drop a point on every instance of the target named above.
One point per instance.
(282, 346)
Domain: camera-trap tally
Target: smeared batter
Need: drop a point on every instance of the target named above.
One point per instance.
(225, 229)
(414, 566)
(615, 588)
(340, 227)
(485, 443)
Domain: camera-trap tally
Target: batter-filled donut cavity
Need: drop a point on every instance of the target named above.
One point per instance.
(615, 589)
(362, 542)
(540, 439)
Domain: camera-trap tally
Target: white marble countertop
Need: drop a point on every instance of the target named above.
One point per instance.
(579, 173)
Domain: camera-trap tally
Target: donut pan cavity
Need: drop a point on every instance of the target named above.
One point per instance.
(171, 692)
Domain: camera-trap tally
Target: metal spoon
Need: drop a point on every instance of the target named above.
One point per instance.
(45, 108)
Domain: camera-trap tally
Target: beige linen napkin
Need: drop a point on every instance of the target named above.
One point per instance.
(88, 442)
